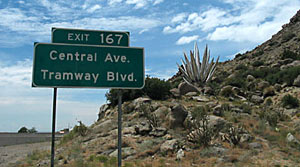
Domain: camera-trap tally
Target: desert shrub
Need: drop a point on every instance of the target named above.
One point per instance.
(80, 129)
(154, 88)
(238, 81)
(147, 111)
(258, 53)
(268, 102)
(246, 108)
(290, 101)
(238, 55)
(225, 107)
(234, 134)
(241, 67)
(257, 63)
(220, 77)
(157, 89)
(201, 133)
(272, 117)
(284, 76)
(287, 54)
(287, 36)
(227, 92)
(127, 95)
(262, 73)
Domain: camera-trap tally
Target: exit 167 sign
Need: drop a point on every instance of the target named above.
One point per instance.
(90, 37)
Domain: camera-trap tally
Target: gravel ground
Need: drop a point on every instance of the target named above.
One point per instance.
(11, 154)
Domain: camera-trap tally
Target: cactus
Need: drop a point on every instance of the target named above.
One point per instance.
(194, 72)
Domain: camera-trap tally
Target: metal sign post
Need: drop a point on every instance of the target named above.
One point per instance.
(120, 128)
(53, 126)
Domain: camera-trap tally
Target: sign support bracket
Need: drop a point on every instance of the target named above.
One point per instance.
(53, 126)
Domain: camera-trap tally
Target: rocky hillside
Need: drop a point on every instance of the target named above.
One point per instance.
(248, 115)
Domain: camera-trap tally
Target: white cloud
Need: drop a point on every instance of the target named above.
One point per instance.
(18, 74)
(168, 73)
(179, 18)
(156, 2)
(138, 3)
(252, 21)
(23, 27)
(94, 8)
(114, 2)
(187, 39)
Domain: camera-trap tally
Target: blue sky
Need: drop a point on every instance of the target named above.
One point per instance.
(165, 28)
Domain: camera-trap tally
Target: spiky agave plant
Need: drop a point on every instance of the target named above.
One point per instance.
(194, 72)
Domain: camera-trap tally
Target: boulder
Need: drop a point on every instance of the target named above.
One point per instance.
(255, 145)
(177, 116)
(218, 111)
(213, 151)
(257, 99)
(126, 152)
(175, 92)
(237, 110)
(162, 112)
(200, 99)
(227, 91)
(285, 61)
(216, 122)
(246, 138)
(297, 81)
(269, 91)
(102, 111)
(291, 139)
(250, 78)
(140, 101)
(262, 85)
(208, 90)
(191, 94)
(293, 64)
(158, 132)
(179, 155)
(277, 87)
(144, 128)
(168, 146)
(185, 88)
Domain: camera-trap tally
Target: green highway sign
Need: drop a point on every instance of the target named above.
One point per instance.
(87, 66)
(90, 37)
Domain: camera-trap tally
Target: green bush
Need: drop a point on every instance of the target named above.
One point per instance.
(246, 108)
(157, 89)
(287, 54)
(258, 53)
(257, 63)
(284, 76)
(241, 67)
(238, 81)
(127, 95)
(269, 116)
(154, 88)
(290, 101)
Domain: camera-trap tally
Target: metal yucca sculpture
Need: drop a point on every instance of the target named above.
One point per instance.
(194, 72)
